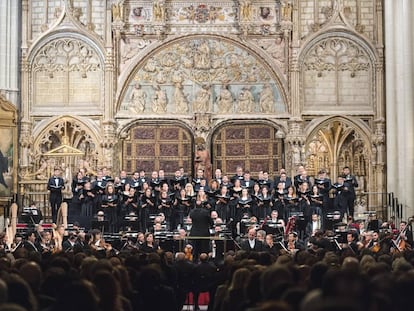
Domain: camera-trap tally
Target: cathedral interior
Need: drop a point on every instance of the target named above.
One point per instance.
(266, 84)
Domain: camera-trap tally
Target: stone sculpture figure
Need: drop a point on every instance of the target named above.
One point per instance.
(137, 99)
(266, 100)
(225, 100)
(245, 100)
(159, 100)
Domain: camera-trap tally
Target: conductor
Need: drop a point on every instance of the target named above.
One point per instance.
(201, 224)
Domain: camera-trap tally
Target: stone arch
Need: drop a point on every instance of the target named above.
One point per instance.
(192, 71)
(331, 65)
(335, 142)
(75, 138)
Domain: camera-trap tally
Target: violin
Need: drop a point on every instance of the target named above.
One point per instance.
(188, 251)
(290, 227)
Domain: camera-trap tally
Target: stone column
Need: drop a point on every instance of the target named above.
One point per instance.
(9, 47)
(399, 42)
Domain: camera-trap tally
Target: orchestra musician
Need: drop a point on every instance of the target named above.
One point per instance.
(30, 242)
(270, 245)
(252, 244)
(4, 245)
(46, 243)
(313, 226)
(149, 246)
(292, 243)
(405, 237)
(352, 242)
(274, 219)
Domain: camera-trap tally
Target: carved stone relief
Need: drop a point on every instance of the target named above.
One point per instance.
(62, 72)
(332, 68)
(202, 75)
(275, 47)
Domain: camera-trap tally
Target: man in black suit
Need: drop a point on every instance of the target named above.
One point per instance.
(204, 279)
(252, 244)
(201, 224)
(55, 185)
(30, 243)
(352, 184)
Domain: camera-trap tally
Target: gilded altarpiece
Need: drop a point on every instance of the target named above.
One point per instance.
(8, 146)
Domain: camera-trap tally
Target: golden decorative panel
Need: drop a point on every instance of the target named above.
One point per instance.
(253, 146)
(155, 147)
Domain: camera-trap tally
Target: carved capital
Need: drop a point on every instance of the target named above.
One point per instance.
(202, 123)
(26, 139)
(109, 135)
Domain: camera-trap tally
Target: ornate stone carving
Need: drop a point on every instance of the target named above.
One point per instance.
(225, 100)
(334, 65)
(159, 100)
(202, 124)
(200, 67)
(336, 54)
(137, 100)
(65, 143)
(67, 55)
(180, 99)
(275, 48)
(131, 47)
(246, 11)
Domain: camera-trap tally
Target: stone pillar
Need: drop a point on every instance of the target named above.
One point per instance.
(9, 47)
(399, 42)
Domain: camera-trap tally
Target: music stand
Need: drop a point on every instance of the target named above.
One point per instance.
(102, 225)
(274, 229)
